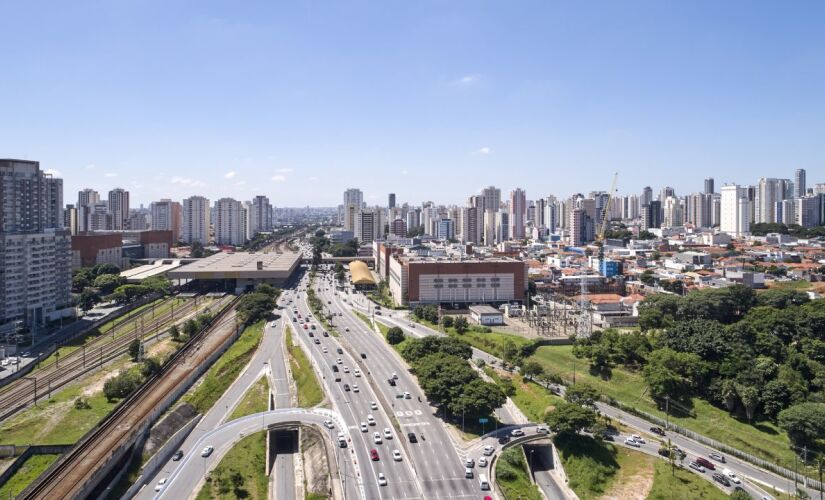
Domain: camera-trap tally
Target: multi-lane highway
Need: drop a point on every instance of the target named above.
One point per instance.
(438, 458)
(355, 461)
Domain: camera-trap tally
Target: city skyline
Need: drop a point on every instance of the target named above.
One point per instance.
(185, 103)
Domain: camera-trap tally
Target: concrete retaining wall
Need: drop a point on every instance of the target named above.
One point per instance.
(28, 452)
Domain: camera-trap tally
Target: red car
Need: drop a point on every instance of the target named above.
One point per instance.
(374, 455)
(704, 462)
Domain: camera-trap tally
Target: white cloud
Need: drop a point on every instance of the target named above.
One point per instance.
(186, 181)
(485, 150)
(278, 178)
(110, 174)
(467, 80)
(313, 178)
(52, 172)
(404, 172)
(229, 174)
(240, 183)
(284, 170)
(91, 166)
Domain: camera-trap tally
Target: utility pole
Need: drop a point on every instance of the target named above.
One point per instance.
(667, 412)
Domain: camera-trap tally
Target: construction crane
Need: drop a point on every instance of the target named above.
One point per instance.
(604, 223)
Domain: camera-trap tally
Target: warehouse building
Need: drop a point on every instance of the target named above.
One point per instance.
(239, 271)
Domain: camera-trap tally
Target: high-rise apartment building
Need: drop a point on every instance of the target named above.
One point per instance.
(673, 212)
(196, 220)
(167, 215)
(518, 209)
(353, 202)
(800, 186)
(369, 225)
(734, 210)
(391, 201)
(398, 227)
(503, 230)
(229, 222)
(709, 185)
(698, 209)
(647, 197)
(445, 230)
(261, 216)
(35, 250)
(810, 210)
(119, 208)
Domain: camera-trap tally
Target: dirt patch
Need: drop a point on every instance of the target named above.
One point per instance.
(316, 469)
(168, 426)
(634, 480)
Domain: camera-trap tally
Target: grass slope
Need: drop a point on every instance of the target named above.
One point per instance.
(591, 465)
(240, 474)
(226, 369)
(532, 399)
(31, 468)
(308, 389)
(255, 400)
(684, 485)
(512, 476)
(763, 439)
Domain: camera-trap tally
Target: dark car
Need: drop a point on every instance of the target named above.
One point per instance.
(335, 368)
(657, 430)
(340, 351)
(504, 439)
(391, 381)
(664, 452)
(704, 462)
(346, 387)
(326, 334)
(411, 437)
(363, 355)
(311, 334)
(721, 479)
(177, 456)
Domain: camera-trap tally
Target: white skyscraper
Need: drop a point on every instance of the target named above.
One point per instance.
(261, 215)
(229, 222)
(734, 210)
(769, 193)
(353, 202)
(167, 215)
(196, 220)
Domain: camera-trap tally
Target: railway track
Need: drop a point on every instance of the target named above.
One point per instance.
(70, 476)
(24, 392)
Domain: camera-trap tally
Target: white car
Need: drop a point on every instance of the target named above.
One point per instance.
(407, 395)
(346, 369)
(631, 442)
(382, 479)
(488, 450)
(363, 427)
(482, 462)
(325, 350)
(160, 484)
(207, 451)
(355, 388)
(542, 430)
(328, 424)
(732, 476)
(394, 375)
(396, 455)
(638, 439)
(377, 438)
(339, 361)
(517, 433)
(373, 405)
(387, 433)
(370, 419)
(357, 372)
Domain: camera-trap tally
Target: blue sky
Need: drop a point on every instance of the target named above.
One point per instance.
(431, 100)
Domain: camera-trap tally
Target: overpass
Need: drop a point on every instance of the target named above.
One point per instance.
(343, 260)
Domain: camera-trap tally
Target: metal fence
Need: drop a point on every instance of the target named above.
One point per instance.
(759, 462)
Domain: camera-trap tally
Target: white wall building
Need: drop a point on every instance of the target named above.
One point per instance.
(229, 222)
(735, 211)
(196, 220)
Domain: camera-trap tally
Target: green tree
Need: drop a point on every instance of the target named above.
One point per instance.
(174, 333)
(804, 423)
(107, 283)
(749, 395)
(460, 324)
(674, 374)
(149, 367)
(568, 419)
(582, 394)
(88, 299)
(532, 369)
(447, 321)
(478, 398)
(134, 349)
(509, 351)
(190, 328)
(395, 335)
